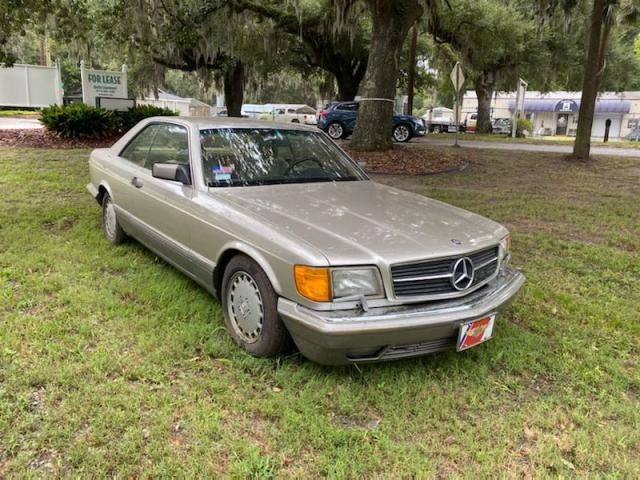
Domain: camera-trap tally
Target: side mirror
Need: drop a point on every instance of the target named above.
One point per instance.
(172, 171)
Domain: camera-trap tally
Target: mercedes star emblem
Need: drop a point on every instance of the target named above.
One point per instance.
(462, 274)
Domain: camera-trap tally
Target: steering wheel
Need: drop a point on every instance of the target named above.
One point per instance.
(298, 162)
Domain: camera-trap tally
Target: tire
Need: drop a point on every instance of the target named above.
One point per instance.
(336, 131)
(436, 129)
(250, 309)
(402, 133)
(110, 225)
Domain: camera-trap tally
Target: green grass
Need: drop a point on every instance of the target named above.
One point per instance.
(553, 140)
(114, 364)
(19, 113)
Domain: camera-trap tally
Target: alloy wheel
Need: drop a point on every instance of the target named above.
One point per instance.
(401, 133)
(335, 131)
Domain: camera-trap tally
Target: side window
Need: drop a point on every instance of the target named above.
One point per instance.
(349, 107)
(170, 145)
(138, 148)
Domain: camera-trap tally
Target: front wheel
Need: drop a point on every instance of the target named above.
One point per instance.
(250, 309)
(335, 130)
(402, 133)
(110, 225)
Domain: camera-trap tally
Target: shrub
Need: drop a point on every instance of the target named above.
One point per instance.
(127, 120)
(524, 128)
(77, 120)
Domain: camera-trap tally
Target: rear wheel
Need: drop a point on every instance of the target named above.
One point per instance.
(335, 130)
(250, 309)
(402, 133)
(112, 229)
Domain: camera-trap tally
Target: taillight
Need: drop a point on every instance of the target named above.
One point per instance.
(322, 114)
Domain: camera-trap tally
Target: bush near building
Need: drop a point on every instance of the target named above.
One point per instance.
(78, 120)
(523, 126)
(126, 120)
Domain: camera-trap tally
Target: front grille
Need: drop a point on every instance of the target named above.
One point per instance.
(434, 277)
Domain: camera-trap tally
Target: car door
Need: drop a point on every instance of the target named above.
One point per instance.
(124, 167)
(158, 206)
(349, 115)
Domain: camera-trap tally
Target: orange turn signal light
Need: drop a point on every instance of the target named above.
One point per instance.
(313, 282)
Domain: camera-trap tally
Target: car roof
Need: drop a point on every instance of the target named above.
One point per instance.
(205, 123)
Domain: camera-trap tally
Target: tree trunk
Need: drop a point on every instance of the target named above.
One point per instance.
(411, 69)
(590, 82)
(391, 22)
(348, 83)
(485, 86)
(234, 87)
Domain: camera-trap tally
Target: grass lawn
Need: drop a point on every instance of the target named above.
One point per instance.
(553, 140)
(19, 113)
(114, 364)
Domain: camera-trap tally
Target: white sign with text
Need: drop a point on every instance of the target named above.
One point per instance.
(103, 83)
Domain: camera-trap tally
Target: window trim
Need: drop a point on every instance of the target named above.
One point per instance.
(155, 122)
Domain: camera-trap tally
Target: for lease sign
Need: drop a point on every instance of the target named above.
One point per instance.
(103, 83)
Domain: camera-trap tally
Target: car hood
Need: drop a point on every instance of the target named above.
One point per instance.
(365, 222)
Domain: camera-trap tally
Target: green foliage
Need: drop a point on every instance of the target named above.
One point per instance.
(123, 121)
(77, 120)
(83, 121)
(522, 126)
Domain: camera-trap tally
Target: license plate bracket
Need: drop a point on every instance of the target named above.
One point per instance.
(475, 332)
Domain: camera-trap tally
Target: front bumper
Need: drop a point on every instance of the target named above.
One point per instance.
(343, 337)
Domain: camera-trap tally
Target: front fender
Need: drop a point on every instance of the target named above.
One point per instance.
(258, 257)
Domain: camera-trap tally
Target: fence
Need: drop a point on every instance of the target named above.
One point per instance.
(30, 86)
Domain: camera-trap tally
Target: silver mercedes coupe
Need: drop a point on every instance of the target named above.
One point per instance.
(299, 245)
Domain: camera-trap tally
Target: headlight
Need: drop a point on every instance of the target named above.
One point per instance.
(323, 284)
(348, 282)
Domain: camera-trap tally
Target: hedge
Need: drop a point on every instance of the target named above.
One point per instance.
(78, 120)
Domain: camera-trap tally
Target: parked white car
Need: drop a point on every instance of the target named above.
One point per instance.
(294, 113)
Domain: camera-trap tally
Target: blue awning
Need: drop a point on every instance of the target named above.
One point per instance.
(610, 105)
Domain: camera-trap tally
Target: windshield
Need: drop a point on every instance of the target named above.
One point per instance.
(268, 156)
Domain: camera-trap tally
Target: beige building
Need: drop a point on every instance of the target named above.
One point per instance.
(556, 113)
(190, 107)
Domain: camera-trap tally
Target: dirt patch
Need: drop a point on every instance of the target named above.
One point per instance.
(356, 422)
(40, 138)
(407, 160)
(59, 226)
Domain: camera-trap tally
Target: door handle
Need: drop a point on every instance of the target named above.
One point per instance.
(136, 182)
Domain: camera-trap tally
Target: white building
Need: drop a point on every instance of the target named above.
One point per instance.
(556, 113)
(184, 106)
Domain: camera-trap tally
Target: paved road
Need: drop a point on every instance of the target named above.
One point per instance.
(10, 123)
(530, 147)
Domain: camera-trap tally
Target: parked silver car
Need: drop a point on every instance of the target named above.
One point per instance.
(298, 244)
